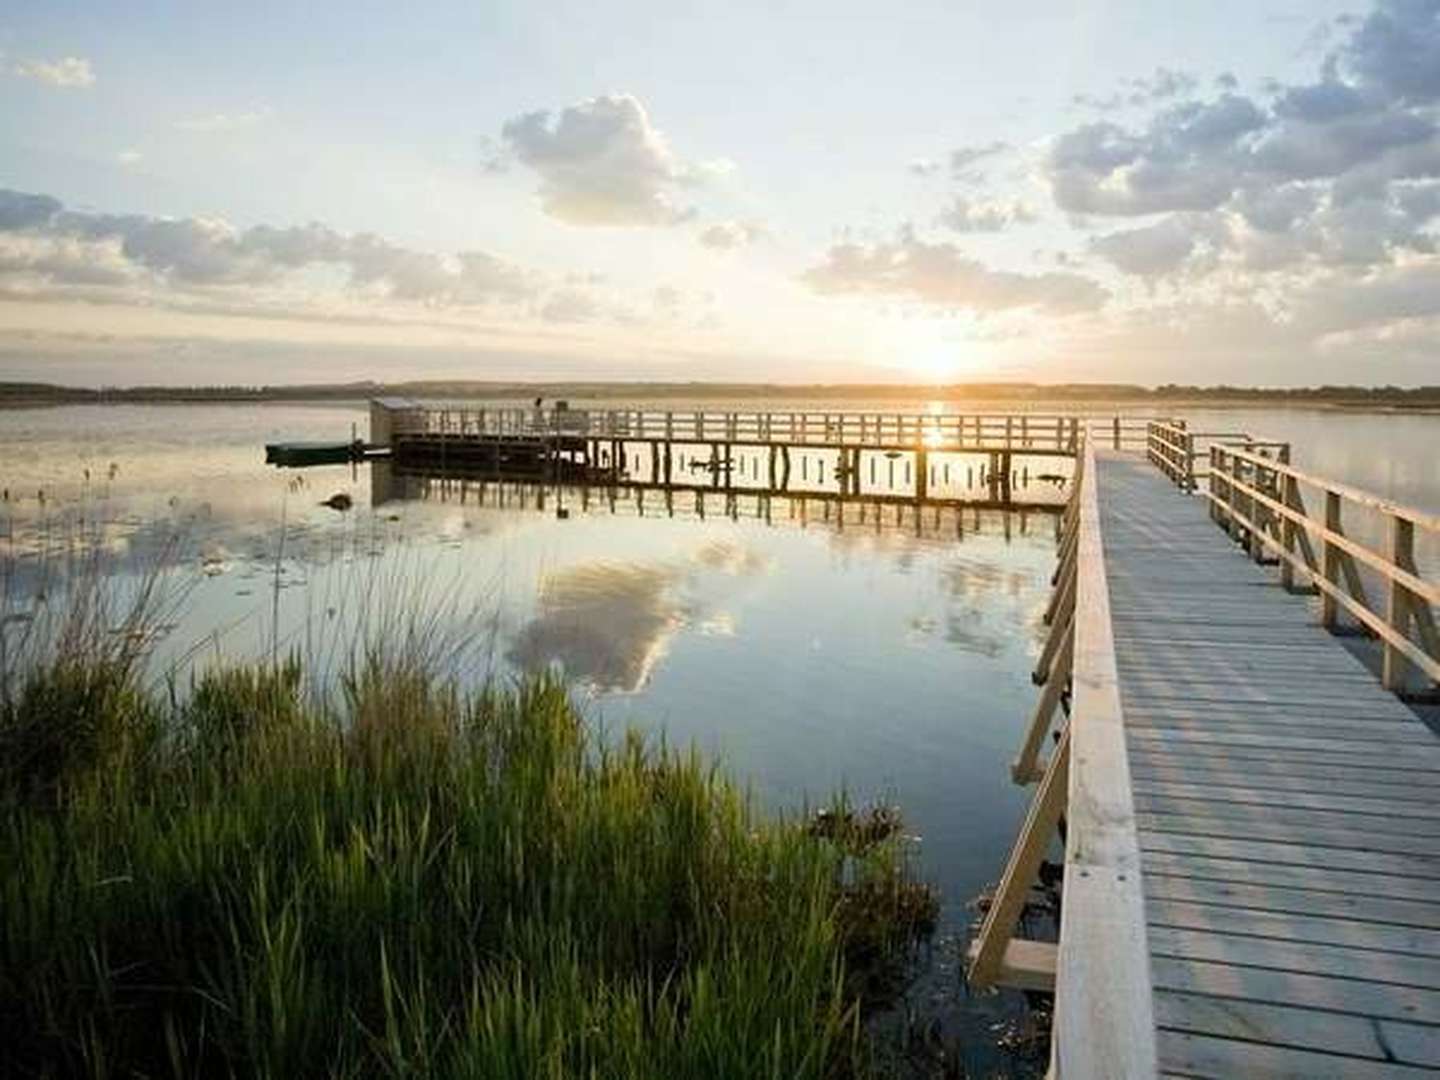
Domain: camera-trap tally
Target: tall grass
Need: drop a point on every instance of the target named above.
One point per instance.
(399, 877)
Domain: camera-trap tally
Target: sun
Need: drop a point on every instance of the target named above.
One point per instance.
(936, 364)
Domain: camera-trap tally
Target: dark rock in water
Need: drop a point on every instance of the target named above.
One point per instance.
(339, 501)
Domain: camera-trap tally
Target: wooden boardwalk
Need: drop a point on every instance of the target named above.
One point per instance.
(1250, 817)
(1287, 810)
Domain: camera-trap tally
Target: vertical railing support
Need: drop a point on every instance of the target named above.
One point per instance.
(1393, 667)
(1330, 561)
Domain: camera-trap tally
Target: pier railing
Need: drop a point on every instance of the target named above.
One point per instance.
(1100, 969)
(1182, 453)
(1261, 499)
(981, 431)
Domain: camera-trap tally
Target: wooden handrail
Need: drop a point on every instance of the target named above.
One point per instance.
(1244, 488)
(1429, 522)
(1412, 583)
(1100, 970)
(1104, 1010)
(1015, 432)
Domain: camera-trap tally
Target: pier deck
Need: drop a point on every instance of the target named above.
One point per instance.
(1251, 816)
(1287, 810)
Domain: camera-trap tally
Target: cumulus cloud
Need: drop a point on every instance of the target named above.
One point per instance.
(1190, 157)
(725, 235)
(48, 241)
(976, 215)
(601, 162)
(73, 72)
(1333, 174)
(938, 275)
(1161, 249)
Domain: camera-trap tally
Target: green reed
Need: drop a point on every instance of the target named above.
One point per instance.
(395, 876)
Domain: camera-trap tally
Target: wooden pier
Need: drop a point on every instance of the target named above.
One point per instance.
(1250, 814)
(1246, 808)
(856, 450)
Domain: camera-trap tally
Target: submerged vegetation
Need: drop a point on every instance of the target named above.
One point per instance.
(394, 875)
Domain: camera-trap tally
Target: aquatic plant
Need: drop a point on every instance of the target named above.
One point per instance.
(389, 874)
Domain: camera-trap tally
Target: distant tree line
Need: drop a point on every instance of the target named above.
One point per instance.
(39, 393)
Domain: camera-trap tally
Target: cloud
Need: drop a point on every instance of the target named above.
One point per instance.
(963, 157)
(601, 162)
(1190, 157)
(975, 216)
(1161, 249)
(725, 235)
(72, 72)
(129, 157)
(1367, 122)
(223, 121)
(19, 210)
(1396, 49)
(210, 253)
(570, 305)
(939, 276)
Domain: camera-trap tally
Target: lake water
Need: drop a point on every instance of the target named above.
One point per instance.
(884, 655)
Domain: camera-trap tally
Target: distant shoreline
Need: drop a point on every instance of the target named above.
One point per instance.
(1406, 399)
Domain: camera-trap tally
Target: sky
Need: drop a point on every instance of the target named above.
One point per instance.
(1049, 190)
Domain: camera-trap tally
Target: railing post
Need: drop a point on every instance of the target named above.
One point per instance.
(1397, 602)
(1284, 496)
(1117, 432)
(1189, 452)
(1330, 562)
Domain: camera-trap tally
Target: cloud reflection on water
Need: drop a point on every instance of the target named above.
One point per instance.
(607, 623)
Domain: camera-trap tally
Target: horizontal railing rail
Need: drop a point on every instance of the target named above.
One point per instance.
(1015, 431)
(1260, 499)
(1181, 452)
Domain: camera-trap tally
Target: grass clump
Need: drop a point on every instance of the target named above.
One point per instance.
(402, 879)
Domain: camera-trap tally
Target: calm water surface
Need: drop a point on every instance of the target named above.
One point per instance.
(808, 654)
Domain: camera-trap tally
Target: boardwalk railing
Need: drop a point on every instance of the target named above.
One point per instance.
(1260, 499)
(1176, 450)
(1100, 970)
(1017, 432)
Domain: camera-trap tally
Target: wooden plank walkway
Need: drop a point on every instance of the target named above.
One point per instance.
(1287, 810)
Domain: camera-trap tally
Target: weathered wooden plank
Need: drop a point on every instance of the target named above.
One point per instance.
(1180, 739)
(1288, 776)
(1267, 853)
(1192, 1055)
(1389, 1001)
(1252, 797)
(1259, 828)
(1299, 877)
(1304, 1029)
(1218, 756)
(1369, 732)
(1380, 909)
(1303, 818)
(1314, 958)
(1224, 918)
(1391, 711)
